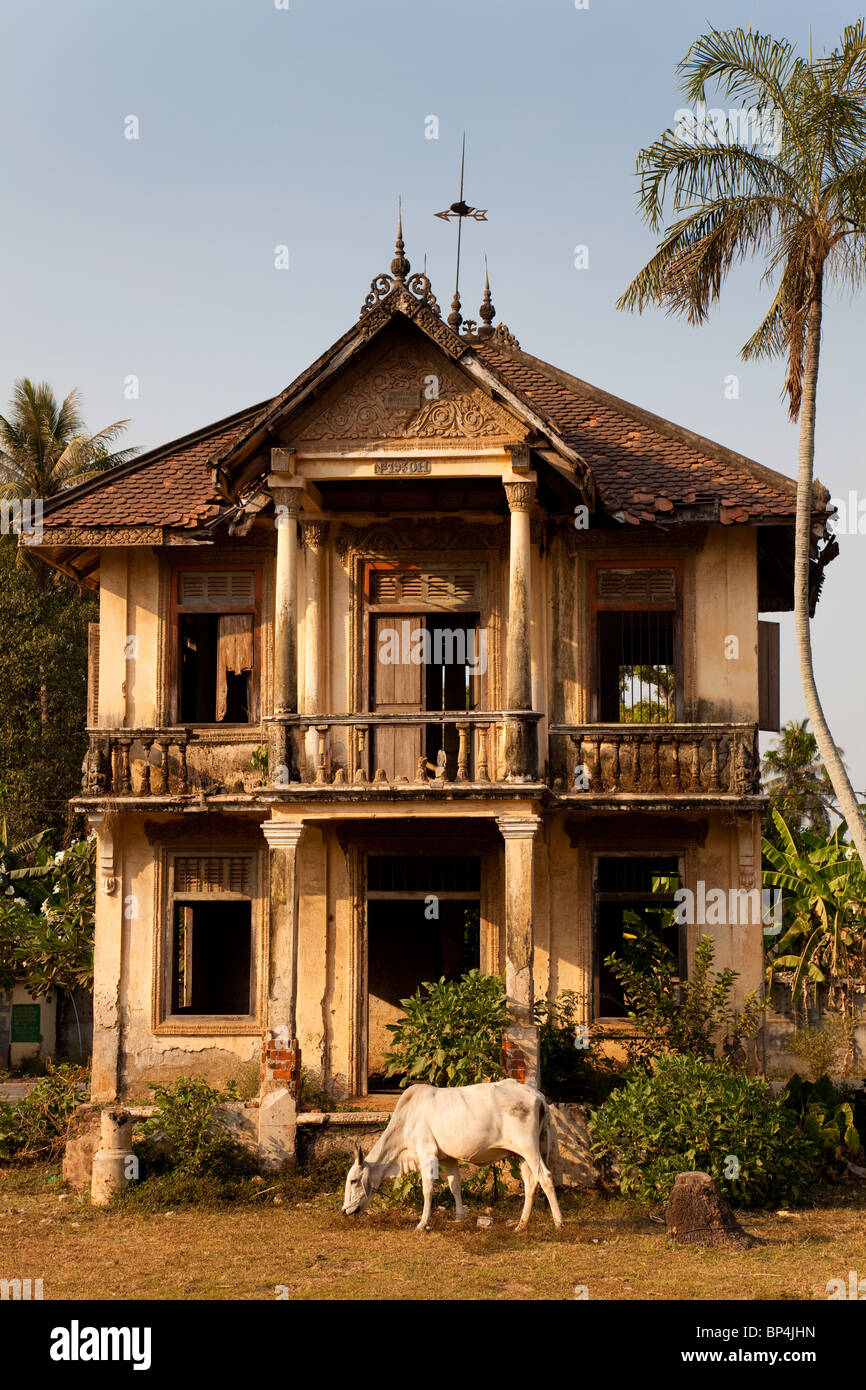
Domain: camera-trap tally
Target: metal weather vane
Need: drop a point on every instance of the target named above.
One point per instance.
(460, 210)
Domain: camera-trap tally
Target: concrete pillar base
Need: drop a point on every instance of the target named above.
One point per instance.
(277, 1129)
(111, 1162)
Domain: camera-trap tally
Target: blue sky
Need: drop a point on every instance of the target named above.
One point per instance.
(261, 127)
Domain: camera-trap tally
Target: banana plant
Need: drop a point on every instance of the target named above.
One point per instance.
(824, 911)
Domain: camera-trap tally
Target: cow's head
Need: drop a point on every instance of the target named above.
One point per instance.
(359, 1186)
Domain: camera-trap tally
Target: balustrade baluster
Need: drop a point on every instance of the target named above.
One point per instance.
(715, 784)
(360, 773)
(321, 730)
(482, 774)
(463, 753)
(125, 778)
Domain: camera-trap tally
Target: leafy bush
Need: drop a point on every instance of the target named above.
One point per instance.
(571, 1068)
(36, 1127)
(313, 1095)
(196, 1138)
(692, 1016)
(823, 1049)
(451, 1034)
(827, 1117)
(47, 914)
(690, 1114)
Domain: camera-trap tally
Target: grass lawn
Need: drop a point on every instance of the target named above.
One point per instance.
(245, 1250)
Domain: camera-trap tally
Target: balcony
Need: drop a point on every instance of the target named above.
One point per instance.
(170, 762)
(657, 760)
(476, 750)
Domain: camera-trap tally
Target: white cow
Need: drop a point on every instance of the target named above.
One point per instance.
(449, 1125)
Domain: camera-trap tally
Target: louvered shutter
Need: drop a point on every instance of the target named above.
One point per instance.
(92, 675)
(213, 873)
(650, 586)
(216, 588)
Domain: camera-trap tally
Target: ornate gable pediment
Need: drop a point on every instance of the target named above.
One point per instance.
(410, 396)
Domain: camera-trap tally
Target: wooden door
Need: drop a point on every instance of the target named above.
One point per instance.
(396, 687)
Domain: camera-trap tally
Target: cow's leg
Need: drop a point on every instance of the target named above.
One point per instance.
(428, 1165)
(549, 1191)
(530, 1183)
(452, 1172)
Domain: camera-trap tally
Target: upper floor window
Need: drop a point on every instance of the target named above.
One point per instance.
(638, 666)
(216, 646)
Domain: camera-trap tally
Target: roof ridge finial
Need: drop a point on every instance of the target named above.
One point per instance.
(400, 266)
(455, 318)
(487, 312)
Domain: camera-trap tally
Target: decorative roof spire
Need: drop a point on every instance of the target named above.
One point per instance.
(455, 318)
(487, 311)
(400, 266)
(400, 280)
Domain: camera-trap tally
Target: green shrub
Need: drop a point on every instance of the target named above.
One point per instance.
(694, 1016)
(451, 1034)
(823, 1049)
(36, 1127)
(692, 1115)
(826, 1115)
(572, 1070)
(314, 1096)
(195, 1136)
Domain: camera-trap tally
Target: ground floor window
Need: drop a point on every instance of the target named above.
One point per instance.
(211, 935)
(627, 884)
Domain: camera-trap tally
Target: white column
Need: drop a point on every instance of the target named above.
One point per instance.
(315, 534)
(283, 837)
(519, 648)
(519, 761)
(519, 834)
(107, 967)
(287, 504)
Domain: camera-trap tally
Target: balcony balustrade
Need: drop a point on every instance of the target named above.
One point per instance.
(661, 759)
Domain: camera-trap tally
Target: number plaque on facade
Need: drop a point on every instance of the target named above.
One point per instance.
(402, 466)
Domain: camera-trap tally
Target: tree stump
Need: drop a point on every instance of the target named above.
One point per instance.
(697, 1214)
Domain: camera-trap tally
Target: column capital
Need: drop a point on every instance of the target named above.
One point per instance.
(283, 834)
(518, 827)
(520, 495)
(315, 533)
(288, 492)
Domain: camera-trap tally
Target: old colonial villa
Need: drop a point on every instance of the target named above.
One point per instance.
(438, 659)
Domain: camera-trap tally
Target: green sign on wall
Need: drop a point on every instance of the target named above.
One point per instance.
(25, 1023)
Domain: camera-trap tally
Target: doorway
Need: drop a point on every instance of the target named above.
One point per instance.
(423, 924)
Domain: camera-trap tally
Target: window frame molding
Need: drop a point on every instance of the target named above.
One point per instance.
(172, 665)
(166, 1024)
(370, 611)
(627, 562)
(612, 1025)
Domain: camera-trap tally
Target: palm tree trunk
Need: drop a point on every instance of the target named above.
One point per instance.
(845, 793)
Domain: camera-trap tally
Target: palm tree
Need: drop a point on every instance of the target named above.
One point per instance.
(800, 203)
(796, 781)
(45, 447)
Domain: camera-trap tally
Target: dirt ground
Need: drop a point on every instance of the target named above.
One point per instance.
(303, 1248)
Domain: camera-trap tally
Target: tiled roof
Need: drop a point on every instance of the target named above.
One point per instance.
(643, 466)
(169, 486)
